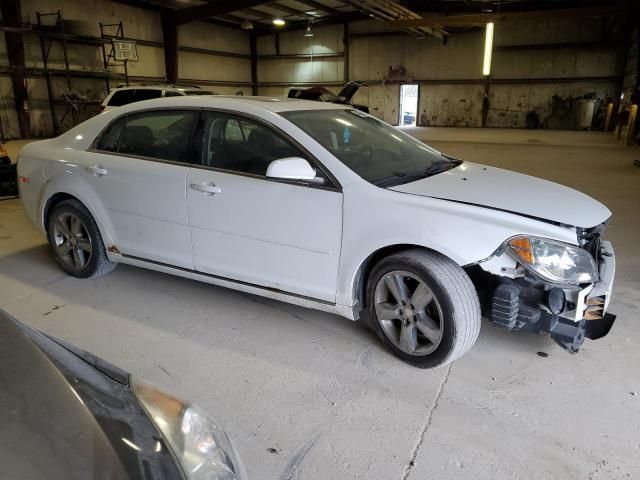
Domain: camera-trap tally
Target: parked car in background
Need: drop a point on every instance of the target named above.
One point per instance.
(8, 176)
(126, 94)
(408, 118)
(322, 94)
(67, 414)
(324, 206)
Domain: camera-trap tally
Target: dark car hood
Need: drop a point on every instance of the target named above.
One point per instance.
(46, 431)
(63, 418)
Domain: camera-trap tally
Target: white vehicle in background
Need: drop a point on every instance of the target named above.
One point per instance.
(126, 94)
(327, 207)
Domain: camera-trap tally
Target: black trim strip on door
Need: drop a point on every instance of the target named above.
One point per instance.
(227, 279)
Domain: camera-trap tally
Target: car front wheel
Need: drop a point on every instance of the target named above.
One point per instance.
(424, 307)
(76, 241)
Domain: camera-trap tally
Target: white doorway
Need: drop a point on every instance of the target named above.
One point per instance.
(409, 104)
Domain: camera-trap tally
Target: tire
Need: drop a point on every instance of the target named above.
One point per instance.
(76, 242)
(436, 334)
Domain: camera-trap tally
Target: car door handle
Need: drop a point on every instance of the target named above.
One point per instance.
(97, 170)
(207, 188)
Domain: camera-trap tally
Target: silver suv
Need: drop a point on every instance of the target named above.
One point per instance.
(123, 95)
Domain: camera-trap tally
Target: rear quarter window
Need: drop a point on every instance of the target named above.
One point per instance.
(109, 140)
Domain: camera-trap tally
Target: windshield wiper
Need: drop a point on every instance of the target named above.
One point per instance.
(442, 166)
(406, 177)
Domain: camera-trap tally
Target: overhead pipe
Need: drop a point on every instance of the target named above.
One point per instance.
(391, 11)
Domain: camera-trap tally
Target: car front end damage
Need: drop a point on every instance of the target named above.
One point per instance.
(521, 292)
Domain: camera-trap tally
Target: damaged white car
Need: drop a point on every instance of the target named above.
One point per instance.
(327, 207)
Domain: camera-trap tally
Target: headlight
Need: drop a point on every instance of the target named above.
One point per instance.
(554, 261)
(203, 449)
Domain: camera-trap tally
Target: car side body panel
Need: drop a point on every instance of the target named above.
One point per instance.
(466, 234)
(266, 232)
(146, 206)
(373, 217)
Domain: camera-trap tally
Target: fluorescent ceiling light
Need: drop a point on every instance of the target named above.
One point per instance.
(278, 22)
(488, 47)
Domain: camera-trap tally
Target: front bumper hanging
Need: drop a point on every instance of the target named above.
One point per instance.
(516, 306)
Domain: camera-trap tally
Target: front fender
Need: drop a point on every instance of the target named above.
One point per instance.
(376, 218)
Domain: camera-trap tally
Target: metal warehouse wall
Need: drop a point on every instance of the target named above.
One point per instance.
(202, 58)
(532, 62)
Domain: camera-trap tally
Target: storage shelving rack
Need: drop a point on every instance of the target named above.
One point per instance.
(109, 58)
(50, 29)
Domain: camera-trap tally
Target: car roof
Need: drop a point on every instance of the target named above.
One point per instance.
(239, 102)
(157, 87)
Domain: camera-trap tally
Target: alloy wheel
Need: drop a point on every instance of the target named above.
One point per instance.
(72, 242)
(408, 312)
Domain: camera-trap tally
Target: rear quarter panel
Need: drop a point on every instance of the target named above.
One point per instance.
(56, 166)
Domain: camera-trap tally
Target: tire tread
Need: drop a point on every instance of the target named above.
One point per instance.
(463, 296)
(103, 265)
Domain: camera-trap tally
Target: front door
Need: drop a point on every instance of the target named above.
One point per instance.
(137, 174)
(252, 229)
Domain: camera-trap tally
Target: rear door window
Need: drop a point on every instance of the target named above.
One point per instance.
(158, 134)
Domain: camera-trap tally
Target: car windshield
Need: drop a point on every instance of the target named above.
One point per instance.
(378, 152)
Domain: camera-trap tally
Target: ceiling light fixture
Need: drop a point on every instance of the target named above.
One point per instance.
(246, 25)
(488, 47)
(308, 32)
(278, 22)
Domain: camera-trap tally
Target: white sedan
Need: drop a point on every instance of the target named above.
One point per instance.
(327, 207)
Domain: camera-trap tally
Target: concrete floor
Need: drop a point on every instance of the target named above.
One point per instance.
(307, 395)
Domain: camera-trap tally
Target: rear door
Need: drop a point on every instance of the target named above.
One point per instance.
(137, 173)
(253, 229)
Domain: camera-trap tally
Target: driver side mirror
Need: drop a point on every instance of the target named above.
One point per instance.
(293, 168)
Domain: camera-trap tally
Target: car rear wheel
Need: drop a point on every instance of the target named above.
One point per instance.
(424, 307)
(76, 241)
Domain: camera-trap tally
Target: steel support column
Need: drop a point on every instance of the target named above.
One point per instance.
(11, 14)
(345, 41)
(170, 41)
(253, 48)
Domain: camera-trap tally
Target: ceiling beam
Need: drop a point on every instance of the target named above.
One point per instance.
(201, 12)
(320, 6)
(284, 8)
(258, 13)
(431, 19)
(144, 5)
(319, 22)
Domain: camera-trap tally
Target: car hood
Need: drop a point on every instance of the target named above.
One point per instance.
(512, 192)
(63, 418)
